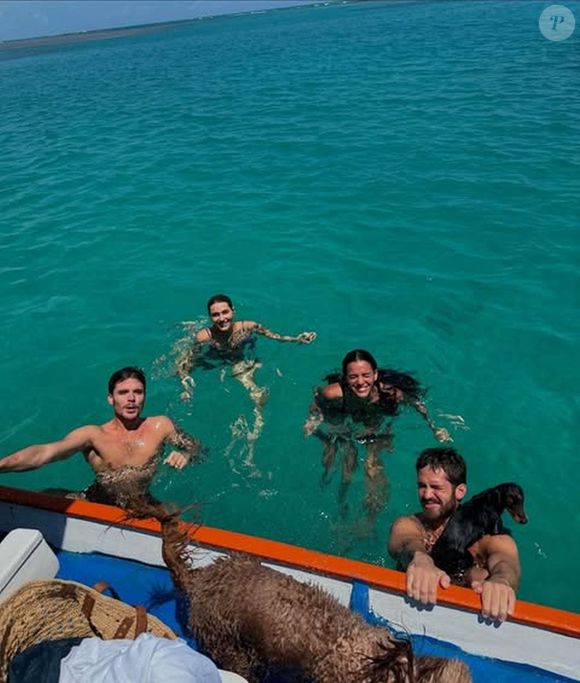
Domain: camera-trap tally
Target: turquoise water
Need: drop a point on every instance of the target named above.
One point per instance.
(399, 177)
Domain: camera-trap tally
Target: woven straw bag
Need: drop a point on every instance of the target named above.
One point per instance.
(54, 609)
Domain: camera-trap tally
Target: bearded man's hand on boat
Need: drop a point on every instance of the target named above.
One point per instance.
(424, 578)
(498, 598)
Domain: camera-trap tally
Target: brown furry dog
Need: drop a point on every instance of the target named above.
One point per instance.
(250, 619)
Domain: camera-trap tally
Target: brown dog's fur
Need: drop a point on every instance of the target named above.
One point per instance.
(250, 618)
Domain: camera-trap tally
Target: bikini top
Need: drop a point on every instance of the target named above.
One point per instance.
(232, 353)
(358, 410)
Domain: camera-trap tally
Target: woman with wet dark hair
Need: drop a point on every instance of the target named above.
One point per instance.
(355, 406)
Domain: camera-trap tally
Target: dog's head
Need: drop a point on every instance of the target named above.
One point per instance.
(514, 502)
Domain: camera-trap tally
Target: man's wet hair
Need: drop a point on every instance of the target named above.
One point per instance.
(446, 459)
(126, 373)
(219, 299)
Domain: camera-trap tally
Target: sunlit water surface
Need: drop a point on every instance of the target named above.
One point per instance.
(400, 177)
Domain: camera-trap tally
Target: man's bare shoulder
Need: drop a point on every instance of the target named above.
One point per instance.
(87, 431)
(82, 437)
(104, 428)
(407, 523)
(246, 325)
(161, 423)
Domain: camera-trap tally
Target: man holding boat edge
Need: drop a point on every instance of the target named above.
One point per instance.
(441, 479)
(124, 452)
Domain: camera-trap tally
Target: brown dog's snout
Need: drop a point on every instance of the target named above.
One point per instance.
(519, 515)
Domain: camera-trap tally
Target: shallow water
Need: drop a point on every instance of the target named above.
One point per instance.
(400, 177)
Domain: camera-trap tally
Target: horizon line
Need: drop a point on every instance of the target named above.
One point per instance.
(77, 36)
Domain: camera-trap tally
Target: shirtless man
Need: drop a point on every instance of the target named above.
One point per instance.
(124, 452)
(441, 477)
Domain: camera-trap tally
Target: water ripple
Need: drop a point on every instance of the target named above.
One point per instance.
(397, 176)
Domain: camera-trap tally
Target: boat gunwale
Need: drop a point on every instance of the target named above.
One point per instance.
(526, 613)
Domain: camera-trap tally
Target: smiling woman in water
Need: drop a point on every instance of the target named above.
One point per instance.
(355, 407)
(230, 342)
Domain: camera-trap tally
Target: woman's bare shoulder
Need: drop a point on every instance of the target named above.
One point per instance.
(203, 336)
(331, 391)
(246, 325)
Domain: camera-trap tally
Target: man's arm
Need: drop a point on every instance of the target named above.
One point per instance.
(302, 338)
(407, 547)
(498, 591)
(189, 447)
(440, 433)
(33, 457)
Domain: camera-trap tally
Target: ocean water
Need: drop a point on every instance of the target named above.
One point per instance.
(402, 177)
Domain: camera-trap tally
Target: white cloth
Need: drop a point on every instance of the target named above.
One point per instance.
(147, 659)
(231, 677)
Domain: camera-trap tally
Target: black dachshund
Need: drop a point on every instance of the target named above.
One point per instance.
(480, 516)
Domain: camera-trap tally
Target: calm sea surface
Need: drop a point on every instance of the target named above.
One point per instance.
(402, 177)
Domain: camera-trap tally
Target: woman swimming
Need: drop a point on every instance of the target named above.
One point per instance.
(355, 406)
(231, 342)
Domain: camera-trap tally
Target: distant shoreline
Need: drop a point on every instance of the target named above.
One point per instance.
(97, 34)
(124, 31)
